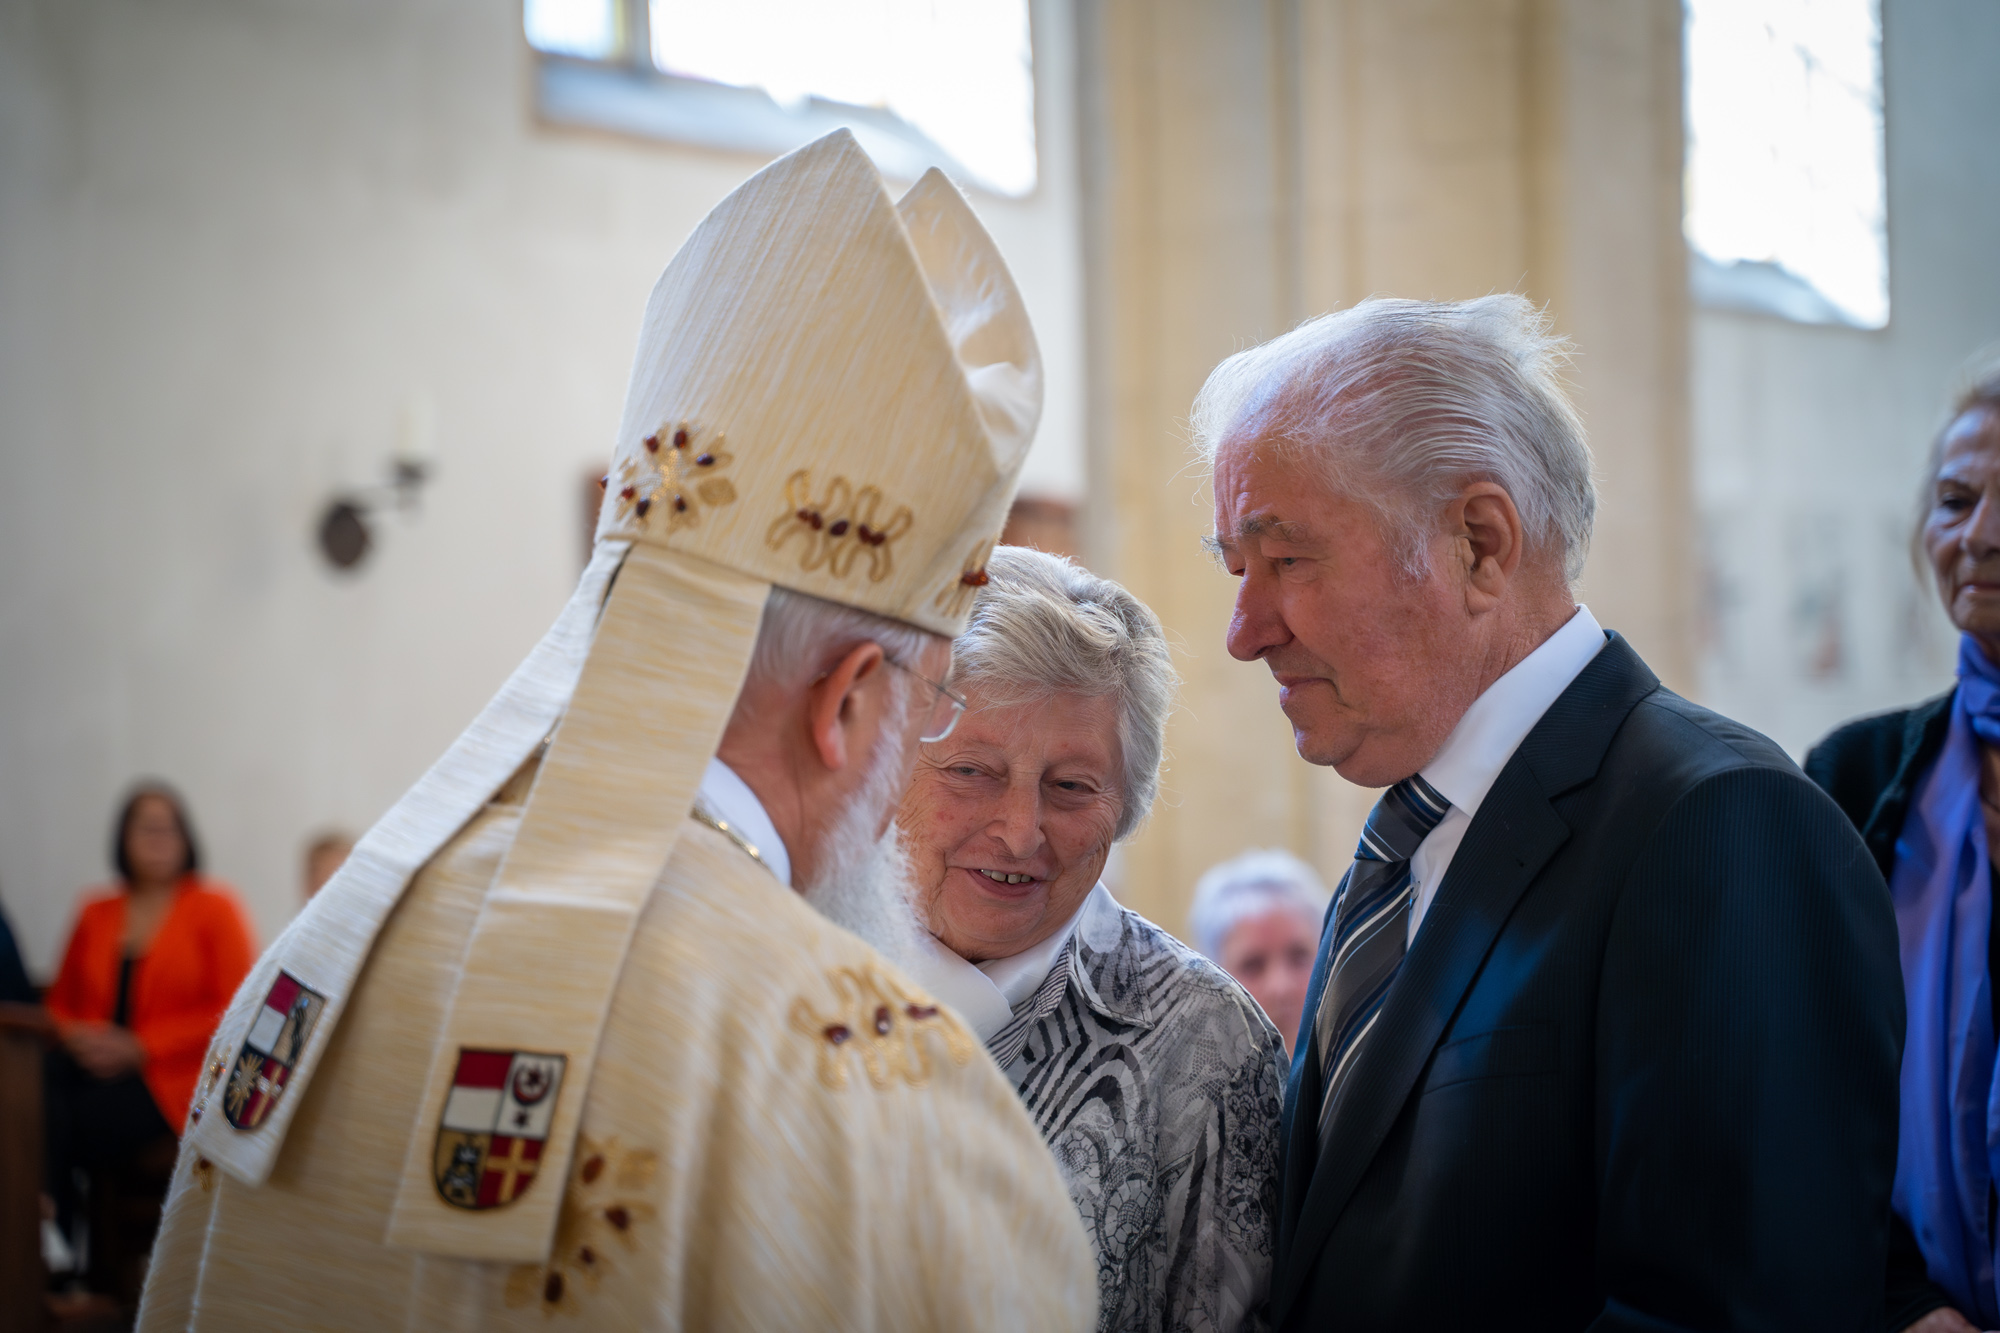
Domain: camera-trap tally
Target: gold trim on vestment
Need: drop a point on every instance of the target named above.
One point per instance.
(702, 815)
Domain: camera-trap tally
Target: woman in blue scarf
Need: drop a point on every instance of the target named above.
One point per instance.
(1923, 786)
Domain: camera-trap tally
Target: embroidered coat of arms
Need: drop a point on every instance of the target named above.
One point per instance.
(495, 1121)
(271, 1050)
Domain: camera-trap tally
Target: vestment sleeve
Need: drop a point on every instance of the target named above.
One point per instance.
(992, 1240)
(1749, 1037)
(861, 1182)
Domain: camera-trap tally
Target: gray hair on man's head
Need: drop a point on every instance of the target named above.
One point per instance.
(1405, 402)
(1250, 885)
(1044, 626)
(802, 635)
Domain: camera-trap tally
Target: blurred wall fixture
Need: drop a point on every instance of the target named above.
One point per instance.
(344, 535)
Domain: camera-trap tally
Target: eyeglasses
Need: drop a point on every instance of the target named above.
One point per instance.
(946, 707)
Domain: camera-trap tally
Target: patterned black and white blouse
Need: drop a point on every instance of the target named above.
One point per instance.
(1158, 1082)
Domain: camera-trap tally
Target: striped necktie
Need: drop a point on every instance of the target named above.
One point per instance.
(1370, 929)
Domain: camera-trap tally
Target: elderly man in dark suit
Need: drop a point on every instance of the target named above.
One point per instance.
(1605, 1024)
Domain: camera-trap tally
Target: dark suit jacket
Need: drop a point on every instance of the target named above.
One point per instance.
(1639, 1069)
(1871, 768)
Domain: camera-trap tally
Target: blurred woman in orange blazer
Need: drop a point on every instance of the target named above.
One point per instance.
(151, 965)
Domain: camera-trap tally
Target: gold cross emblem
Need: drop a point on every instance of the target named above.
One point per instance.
(512, 1169)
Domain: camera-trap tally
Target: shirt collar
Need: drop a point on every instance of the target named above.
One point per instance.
(730, 799)
(1020, 976)
(965, 988)
(976, 990)
(1469, 762)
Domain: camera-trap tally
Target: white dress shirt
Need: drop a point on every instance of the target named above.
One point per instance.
(730, 799)
(1469, 762)
(985, 994)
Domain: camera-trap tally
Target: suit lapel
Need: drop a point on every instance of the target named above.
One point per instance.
(1511, 838)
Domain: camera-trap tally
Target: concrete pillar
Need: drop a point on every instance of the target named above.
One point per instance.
(1250, 164)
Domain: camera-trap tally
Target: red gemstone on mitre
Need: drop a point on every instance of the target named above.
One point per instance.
(837, 1033)
(618, 1216)
(680, 505)
(839, 529)
(816, 521)
(643, 506)
(706, 460)
(681, 438)
(652, 444)
(882, 1021)
(593, 1168)
(973, 578)
(552, 1289)
(628, 492)
(604, 481)
(921, 1011)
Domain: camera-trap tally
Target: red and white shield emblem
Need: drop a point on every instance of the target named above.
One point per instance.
(271, 1051)
(489, 1144)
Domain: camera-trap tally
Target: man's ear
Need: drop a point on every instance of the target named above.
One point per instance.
(831, 702)
(1490, 541)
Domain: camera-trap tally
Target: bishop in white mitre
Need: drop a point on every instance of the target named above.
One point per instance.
(566, 1042)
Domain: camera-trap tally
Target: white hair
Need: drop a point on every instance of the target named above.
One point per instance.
(862, 882)
(1247, 886)
(1043, 626)
(803, 635)
(1405, 402)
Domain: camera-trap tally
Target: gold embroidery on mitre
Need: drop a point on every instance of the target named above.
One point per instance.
(952, 599)
(675, 475)
(882, 1022)
(839, 527)
(601, 1207)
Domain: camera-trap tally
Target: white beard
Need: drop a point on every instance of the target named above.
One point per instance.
(863, 882)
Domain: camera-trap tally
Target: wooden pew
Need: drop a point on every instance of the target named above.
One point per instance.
(24, 1031)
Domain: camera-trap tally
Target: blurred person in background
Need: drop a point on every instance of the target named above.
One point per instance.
(1154, 1077)
(1259, 916)
(150, 966)
(1922, 785)
(325, 855)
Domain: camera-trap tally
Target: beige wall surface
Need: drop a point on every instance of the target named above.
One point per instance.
(1810, 441)
(242, 248)
(1249, 165)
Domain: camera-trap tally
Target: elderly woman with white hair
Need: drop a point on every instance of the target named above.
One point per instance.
(1156, 1080)
(1259, 916)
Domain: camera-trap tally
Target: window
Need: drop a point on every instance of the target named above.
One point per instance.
(1785, 190)
(921, 82)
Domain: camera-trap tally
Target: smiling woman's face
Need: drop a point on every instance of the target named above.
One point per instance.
(1008, 820)
(1962, 526)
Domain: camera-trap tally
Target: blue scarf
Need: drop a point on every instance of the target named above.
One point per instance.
(1949, 1143)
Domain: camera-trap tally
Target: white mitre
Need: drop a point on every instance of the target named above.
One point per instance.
(833, 393)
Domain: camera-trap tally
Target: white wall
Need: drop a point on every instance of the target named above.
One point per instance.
(237, 242)
(1810, 441)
